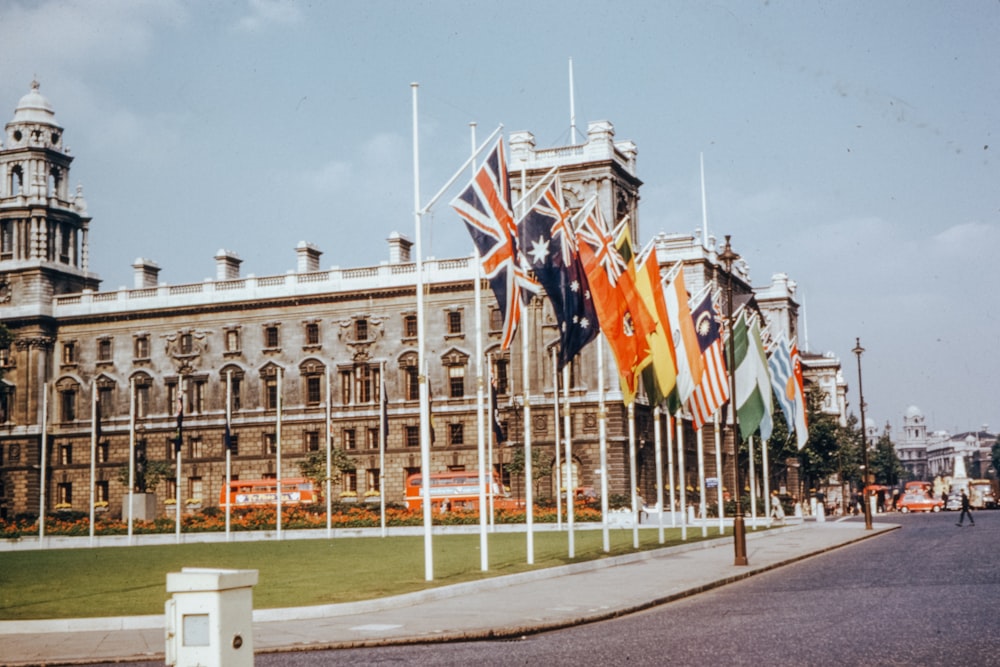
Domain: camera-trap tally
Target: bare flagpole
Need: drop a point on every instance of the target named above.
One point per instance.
(329, 454)
(425, 430)
(753, 485)
(658, 452)
(383, 429)
(277, 437)
(571, 481)
(529, 492)
(227, 445)
(131, 453)
(718, 472)
(558, 434)
(701, 482)
(93, 454)
(670, 467)
(682, 477)
(602, 429)
(43, 463)
(632, 475)
(477, 282)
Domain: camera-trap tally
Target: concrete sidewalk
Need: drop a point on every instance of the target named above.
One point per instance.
(506, 606)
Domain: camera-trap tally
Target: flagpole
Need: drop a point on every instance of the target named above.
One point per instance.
(602, 430)
(558, 428)
(383, 428)
(632, 475)
(489, 438)
(131, 453)
(277, 437)
(43, 463)
(682, 477)
(571, 482)
(658, 454)
(178, 446)
(329, 454)
(753, 485)
(425, 432)
(765, 475)
(701, 482)
(718, 472)
(93, 454)
(704, 205)
(227, 445)
(670, 468)
(484, 559)
(529, 493)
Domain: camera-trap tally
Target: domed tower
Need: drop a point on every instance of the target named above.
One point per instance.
(43, 227)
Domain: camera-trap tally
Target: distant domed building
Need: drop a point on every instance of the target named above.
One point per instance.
(929, 454)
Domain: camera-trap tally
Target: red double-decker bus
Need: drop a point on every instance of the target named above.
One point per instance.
(249, 492)
(460, 489)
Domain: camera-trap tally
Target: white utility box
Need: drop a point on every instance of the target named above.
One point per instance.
(209, 620)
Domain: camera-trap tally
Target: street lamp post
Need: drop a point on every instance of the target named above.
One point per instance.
(727, 257)
(858, 350)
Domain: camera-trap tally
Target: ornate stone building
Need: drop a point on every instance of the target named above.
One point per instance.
(85, 363)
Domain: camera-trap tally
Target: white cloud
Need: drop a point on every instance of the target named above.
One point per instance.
(264, 13)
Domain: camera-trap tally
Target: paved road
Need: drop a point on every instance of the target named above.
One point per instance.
(927, 594)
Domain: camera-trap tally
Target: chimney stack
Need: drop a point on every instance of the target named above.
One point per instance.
(308, 257)
(227, 265)
(146, 274)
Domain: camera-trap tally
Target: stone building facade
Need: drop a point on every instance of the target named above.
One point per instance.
(92, 373)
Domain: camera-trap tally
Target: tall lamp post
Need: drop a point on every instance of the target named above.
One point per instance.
(727, 257)
(858, 350)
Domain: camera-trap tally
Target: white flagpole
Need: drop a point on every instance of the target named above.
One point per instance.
(93, 454)
(43, 464)
(765, 474)
(425, 427)
(670, 468)
(681, 474)
(632, 475)
(178, 455)
(484, 558)
(572, 106)
(229, 453)
(329, 454)
(701, 482)
(602, 429)
(489, 438)
(704, 205)
(555, 419)
(718, 473)
(277, 437)
(131, 453)
(753, 485)
(529, 492)
(383, 428)
(571, 480)
(658, 454)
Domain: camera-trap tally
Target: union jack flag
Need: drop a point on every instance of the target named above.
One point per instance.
(548, 244)
(485, 207)
(712, 391)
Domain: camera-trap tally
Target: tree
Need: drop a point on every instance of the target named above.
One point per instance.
(995, 456)
(884, 461)
(541, 466)
(822, 456)
(314, 467)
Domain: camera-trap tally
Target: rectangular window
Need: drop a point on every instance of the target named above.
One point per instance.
(271, 339)
(455, 322)
(232, 340)
(271, 394)
(372, 480)
(314, 390)
(171, 487)
(346, 382)
(101, 491)
(412, 436)
(312, 441)
(350, 439)
(364, 376)
(360, 330)
(412, 383)
(69, 352)
(68, 404)
(186, 343)
(105, 404)
(372, 438)
(409, 326)
(104, 349)
(456, 381)
(102, 452)
(455, 434)
(141, 349)
(234, 444)
(496, 319)
(312, 333)
(64, 493)
(141, 400)
(172, 395)
(270, 444)
(350, 481)
(196, 396)
(501, 376)
(195, 488)
(65, 455)
(195, 450)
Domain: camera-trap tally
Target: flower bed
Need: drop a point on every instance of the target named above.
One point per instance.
(213, 519)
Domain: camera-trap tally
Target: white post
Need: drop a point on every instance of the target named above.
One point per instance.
(93, 455)
(477, 282)
(701, 483)
(425, 427)
(529, 492)
(682, 477)
(329, 455)
(718, 473)
(489, 437)
(131, 453)
(558, 433)
(632, 475)
(658, 453)
(753, 485)
(670, 469)
(229, 453)
(383, 430)
(571, 482)
(765, 474)
(178, 446)
(277, 438)
(602, 429)
(44, 463)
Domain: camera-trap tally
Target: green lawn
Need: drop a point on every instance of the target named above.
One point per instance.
(127, 581)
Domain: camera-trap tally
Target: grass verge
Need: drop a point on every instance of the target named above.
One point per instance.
(128, 581)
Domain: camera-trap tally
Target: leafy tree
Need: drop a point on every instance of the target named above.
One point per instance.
(148, 474)
(541, 465)
(995, 456)
(821, 457)
(884, 461)
(314, 467)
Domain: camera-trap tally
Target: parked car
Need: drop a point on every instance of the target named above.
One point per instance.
(919, 502)
(954, 501)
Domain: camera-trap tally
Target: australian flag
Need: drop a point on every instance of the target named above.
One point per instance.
(549, 246)
(485, 207)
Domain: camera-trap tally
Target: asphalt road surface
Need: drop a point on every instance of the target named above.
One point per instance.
(928, 594)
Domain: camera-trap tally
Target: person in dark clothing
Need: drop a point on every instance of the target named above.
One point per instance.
(965, 511)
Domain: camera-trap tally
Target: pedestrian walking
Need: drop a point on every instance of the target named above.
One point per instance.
(777, 511)
(965, 511)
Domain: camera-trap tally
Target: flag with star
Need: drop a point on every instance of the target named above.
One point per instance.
(548, 244)
(485, 207)
(712, 390)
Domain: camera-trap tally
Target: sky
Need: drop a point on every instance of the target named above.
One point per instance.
(852, 145)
